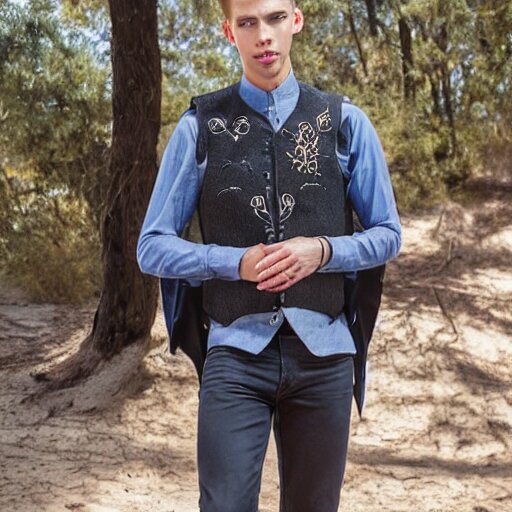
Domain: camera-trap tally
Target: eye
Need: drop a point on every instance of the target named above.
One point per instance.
(246, 23)
(279, 17)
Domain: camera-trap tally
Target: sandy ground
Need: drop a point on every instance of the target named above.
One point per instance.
(436, 433)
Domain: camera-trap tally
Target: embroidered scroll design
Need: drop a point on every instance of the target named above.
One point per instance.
(324, 121)
(286, 205)
(305, 156)
(244, 164)
(240, 126)
(261, 211)
(228, 189)
(308, 184)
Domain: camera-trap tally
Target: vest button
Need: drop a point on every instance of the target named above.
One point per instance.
(274, 319)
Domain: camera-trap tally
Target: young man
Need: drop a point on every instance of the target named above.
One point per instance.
(274, 167)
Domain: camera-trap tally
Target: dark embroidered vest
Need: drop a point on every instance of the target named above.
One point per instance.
(266, 186)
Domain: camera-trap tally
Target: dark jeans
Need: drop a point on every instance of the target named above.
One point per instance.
(307, 397)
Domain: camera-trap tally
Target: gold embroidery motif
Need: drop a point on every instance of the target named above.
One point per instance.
(305, 156)
(324, 121)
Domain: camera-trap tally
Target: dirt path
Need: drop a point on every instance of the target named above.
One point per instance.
(437, 429)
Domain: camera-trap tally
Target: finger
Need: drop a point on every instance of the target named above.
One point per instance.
(272, 259)
(284, 286)
(269, 249)
(296, 273)
(280, 282)
(277, 268)
(277, 280)
(293, 270)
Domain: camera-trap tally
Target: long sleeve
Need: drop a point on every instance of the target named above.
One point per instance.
(371, 194)
(160, 249)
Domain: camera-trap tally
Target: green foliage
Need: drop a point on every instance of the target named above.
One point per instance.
(54, 136)
(433, 76)
(417, 137)
(196, 57)
(49, 247)
(461, 64)
(53, 92)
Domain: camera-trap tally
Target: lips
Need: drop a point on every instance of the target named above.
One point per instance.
(266, 57)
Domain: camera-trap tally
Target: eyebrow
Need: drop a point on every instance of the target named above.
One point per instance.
(245, 17)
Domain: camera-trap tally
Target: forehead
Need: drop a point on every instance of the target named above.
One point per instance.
(239, 8)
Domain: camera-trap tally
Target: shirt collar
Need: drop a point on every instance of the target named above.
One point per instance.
(261, 100)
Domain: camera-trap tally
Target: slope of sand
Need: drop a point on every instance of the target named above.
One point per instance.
(436, 433)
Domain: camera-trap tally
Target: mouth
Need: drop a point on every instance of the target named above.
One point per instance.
(266, 57)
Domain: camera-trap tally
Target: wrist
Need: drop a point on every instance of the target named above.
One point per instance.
(322, 255)
(326, 251)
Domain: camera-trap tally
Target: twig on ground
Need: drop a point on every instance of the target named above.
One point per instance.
(444, 311)
(439, 222)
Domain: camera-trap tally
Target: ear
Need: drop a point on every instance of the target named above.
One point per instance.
(298, 20)
(228, 32)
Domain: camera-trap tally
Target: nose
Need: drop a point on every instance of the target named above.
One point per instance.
(264, 38)
(264, 42)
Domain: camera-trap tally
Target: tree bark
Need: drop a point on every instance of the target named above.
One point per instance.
(434, 91)
(441, 40)
(448, 104)
(355, 35)
(127, 305)
(371, 9)
(407, 59)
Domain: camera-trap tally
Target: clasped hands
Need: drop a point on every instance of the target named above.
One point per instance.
(278, 266)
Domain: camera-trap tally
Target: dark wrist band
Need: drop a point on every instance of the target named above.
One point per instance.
(319, 238)
(329, 249)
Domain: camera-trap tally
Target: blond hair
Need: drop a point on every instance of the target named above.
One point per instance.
(224, 5)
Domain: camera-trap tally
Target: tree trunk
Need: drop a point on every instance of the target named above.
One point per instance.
(127, 306)
(355, 35)
(441, 40)
(371, 9)
(128, 303)
(407, 59)
(448, 104)
(435, 93)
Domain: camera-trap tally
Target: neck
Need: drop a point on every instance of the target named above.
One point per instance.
(269, 84)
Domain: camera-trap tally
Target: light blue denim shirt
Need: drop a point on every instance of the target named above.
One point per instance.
(162, 253)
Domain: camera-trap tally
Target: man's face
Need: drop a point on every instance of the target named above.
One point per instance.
(262, 31)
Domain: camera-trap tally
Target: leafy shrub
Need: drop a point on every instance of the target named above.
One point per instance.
(52, 251)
